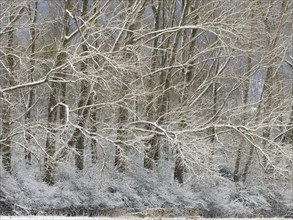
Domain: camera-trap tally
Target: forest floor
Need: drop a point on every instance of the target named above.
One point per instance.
(141, 195)
(118, 218)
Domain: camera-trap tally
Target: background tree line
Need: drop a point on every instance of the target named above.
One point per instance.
(180, 85)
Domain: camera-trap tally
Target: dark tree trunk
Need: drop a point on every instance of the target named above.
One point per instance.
(31, 94)
(51, 133)
(5, 145)
(121, 148)
(179, 168)
(77, 139)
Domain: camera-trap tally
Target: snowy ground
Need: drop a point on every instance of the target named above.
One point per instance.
(107, 218)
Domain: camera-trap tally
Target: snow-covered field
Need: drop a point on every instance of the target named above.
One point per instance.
(120, 218)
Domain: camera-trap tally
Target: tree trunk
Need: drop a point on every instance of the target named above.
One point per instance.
(51, 133)
(77, 139)
(267, 108)
(57, 94)
(93, 119)
(5, 145)
(31, 94)
(5, 142)
(151, 153)
(188, 75)
(121, 146)
(135, 10)
(246, 86)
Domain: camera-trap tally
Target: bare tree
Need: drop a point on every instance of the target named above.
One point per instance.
(179, 83)
(33, 12)
(14, 13)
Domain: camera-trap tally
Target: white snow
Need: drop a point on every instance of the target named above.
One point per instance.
(118, 218)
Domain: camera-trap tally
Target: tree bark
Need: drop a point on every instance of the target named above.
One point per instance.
(152, 152)
(31, 94)
(121, 148)
(57, 94)
(5, 144)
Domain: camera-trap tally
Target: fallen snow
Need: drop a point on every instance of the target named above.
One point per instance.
(120, 218)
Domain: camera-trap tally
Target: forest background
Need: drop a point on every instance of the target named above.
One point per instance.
(134, 106)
